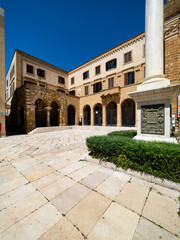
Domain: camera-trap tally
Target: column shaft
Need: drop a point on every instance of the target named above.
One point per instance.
(154, 39)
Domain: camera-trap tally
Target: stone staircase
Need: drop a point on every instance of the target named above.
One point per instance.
(49, 129)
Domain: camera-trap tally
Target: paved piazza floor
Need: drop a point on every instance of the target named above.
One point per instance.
(48, 192)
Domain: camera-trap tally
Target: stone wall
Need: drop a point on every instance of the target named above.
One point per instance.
(25, 98)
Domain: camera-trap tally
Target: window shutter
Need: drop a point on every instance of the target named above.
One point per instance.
(126, 79)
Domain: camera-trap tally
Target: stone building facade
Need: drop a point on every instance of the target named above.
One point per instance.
(95, 93)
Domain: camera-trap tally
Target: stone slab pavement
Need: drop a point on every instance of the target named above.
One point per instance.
(49, 192)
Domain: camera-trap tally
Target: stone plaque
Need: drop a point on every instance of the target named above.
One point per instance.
(152, 119)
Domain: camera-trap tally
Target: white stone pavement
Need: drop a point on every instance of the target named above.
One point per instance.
(48, 192)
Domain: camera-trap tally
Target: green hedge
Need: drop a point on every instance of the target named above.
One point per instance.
(159, 159)
(130, 133)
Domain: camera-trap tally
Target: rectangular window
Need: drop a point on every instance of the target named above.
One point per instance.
(33, 83)
(127, 57)
(59, 90)
(85, 75)
(97, 87)
(86, 90)
(111, 82)
(129, 78)
(98, 69)
(111, 64)
(12, 73)
(61, 80)
(30, 69)
(40, 72)
(72, 92)
(72, 80)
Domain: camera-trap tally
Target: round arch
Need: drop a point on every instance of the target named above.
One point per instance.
(87, 115)
(71, 115)
(40, 113)
(54, 114)
(111, 114)
(98, 114)
(128, 113)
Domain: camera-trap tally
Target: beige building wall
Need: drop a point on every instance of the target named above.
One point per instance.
(135, 45)
(11, 83)
(2, 73)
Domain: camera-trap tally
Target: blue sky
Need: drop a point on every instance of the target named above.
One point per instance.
(67, 33)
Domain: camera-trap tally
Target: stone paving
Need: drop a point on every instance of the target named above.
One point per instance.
(48, 192)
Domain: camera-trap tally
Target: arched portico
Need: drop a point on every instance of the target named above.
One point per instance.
(128, 113)
(71, 115)
(40, 113)
(54, 114)
(111, 114)
(98, 114)
(87, 115)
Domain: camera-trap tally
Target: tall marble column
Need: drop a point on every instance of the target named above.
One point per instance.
(154, 95)
(154, 39)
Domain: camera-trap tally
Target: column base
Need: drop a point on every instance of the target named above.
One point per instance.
(155, 138)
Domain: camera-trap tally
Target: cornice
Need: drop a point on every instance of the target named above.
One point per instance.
(171, 27)
(111, 51)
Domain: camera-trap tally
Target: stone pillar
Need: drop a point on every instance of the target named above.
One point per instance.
(30, 122)
(48, 109)
(154, 39)
(92, 116)
(2, 74)
(118, 115)
(104, 115)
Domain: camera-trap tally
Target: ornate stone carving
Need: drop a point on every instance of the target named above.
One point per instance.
(171, 27)
(152, 119)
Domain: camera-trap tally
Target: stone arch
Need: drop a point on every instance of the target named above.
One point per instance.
(54, 114)
(98, 114)
(40, 113)
(71, 114)
(111, 114)
(21, 118)
(87, 115)
(128, 112)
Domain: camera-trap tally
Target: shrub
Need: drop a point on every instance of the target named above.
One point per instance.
(130, 133)
(159, 159)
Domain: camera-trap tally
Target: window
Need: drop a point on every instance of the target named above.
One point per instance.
(72, 80)
(7, 82)
(59, 90)
(98, 69)
(41, 85)
(29, 69)
(85, 75)
(111, 82)
(127, 57)
(72, 92)
(97, 87)
(61, 80)
(111, 64)
(33, 83)
(129, 78)
(40, 72)
(86, 90)
(12, 73)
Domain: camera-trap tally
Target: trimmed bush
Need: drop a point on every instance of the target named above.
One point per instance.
(130, 133)
(159, 159)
